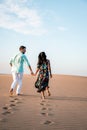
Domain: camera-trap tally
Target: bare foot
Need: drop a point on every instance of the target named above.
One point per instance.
(11, 92)
(49, 94)
(18, 94)
(43, 98)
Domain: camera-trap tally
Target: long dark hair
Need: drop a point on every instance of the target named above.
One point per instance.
(42, 58)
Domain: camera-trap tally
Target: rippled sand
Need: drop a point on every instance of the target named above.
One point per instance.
(66, 109)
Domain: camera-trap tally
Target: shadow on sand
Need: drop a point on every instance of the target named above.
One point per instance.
(58, 98)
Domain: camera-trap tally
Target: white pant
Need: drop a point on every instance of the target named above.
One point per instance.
(17, 79)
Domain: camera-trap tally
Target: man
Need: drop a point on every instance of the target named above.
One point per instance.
(17, 64)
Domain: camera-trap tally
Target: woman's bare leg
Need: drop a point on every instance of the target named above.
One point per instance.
(42, 95)
(47, 88)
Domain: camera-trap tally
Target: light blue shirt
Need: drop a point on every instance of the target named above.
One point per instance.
(18, 63)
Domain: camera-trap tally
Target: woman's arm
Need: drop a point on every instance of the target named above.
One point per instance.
(36, 71)
(49, 69)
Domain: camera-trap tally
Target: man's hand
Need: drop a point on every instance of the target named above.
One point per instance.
(31, 70)
(11, 64)
(32, 73)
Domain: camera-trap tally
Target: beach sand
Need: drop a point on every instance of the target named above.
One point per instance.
(65, 109)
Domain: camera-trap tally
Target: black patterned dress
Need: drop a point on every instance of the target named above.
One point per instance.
(43, 77)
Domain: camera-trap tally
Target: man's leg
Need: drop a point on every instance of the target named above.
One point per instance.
(20, 76)
(14, 83)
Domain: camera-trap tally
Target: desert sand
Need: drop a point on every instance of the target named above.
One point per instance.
(65, 109)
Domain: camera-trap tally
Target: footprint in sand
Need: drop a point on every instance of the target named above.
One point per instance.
(45, 104)
(46, 109)
(12, 101)
(46, 114)
(10, 108)
(16, 100)
(43, 109)
(5, 108)
(12, 105)
(42, 104)
(3, 120)
(48, 122)
(7, 113)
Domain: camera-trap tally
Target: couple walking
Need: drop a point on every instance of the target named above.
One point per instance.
(43, 71)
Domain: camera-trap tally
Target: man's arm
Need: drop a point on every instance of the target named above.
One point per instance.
(11, 61)
(28, 64)
(30, 69)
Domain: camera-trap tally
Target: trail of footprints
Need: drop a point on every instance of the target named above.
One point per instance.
(10, 108)
(47, 111)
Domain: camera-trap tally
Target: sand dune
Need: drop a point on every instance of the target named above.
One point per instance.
(66, 109)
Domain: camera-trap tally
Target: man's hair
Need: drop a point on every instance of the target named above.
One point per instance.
(22, 47)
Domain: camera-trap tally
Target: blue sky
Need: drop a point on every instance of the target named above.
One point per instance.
(58, 27)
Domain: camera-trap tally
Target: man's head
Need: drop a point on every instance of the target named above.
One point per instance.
(22, 49)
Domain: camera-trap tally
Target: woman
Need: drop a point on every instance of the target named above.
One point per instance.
(44, 69)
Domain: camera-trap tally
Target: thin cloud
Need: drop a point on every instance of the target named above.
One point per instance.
(62, 29)
(15, 15)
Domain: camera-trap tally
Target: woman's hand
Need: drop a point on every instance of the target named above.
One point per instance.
(51, 76)
(35, 74)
